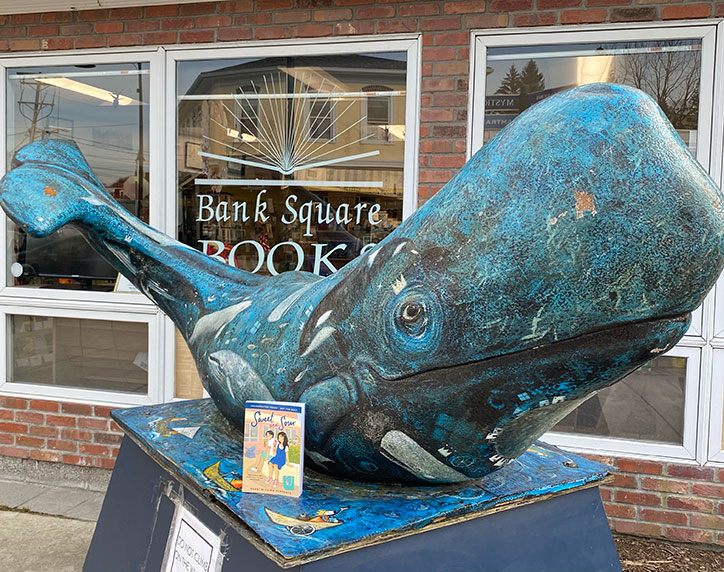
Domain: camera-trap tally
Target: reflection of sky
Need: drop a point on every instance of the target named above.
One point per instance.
(188, 72)
(108, 135)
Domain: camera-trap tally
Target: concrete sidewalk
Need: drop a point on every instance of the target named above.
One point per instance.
(54, 540)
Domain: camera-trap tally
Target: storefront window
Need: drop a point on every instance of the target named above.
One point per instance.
(291, 163)
(647, 405)
(70, 352)
(104, 109)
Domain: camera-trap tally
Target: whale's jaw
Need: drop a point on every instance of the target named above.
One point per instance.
(490, 411)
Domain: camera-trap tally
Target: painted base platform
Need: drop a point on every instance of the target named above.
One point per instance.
(540, 513)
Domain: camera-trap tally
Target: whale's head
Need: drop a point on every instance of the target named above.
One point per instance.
(566, 253)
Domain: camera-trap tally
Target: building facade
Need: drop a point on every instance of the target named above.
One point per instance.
(293, 134)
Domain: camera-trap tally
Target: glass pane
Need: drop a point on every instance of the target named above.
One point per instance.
(103, 108)
(669, 71)
(279, 165)
(90, 354)
(646, 405)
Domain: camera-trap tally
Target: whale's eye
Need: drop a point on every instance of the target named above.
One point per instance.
(412, 312)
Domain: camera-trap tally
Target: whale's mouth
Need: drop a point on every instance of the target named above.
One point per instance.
(512, 399)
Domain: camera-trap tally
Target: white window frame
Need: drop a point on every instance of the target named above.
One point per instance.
(122, 307)
(412, 45)
(694, 345)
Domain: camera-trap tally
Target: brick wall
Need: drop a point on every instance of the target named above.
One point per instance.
(651, 499)
(71, 433)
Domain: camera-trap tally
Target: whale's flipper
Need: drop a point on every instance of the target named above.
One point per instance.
(52, 185)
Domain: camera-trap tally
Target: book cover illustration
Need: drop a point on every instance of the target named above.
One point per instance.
(273, 448)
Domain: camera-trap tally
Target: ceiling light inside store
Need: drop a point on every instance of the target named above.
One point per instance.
(88, 90)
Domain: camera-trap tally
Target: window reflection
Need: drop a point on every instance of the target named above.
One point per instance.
(103, 108)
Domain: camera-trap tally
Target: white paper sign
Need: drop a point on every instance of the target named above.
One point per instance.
(192, 546)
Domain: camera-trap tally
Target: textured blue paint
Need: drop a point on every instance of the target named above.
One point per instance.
(372, 510)
(567, 252)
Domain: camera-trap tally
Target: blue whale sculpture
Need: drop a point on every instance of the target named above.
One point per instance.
(566, 253)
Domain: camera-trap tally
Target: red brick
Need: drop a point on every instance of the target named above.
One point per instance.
(352, 28)
(103, 463)
(637, 528)
(161, 11)
(486, 21)
(29, 416)
(448, 99)
(151, 38)
(690, 472)
(633, 14)
(278, 32)
(76, 29)
(688, 503)
(9, 427)
(690, 535)
(44, 431)
(428, 115)
(464, 7)
(60, 445)
(42, 455)
(43, 31)
(252, 19)
(395, 26)
(619, 510)
(375, 12)
(451, 131)
(8, 414)
(25, 441)
(438, 54)
(720, 539)
(14, 32)
(710, 521)
(292, 17)
(14, 452)
(510, 5)
(451, 68)
(56, 17)
(142, 25)
(196, 36)
(197, 8)
(76, 408)
(115, 427)
(60, 420)
(177, 24)
(14, 402)
(665, 516)
(108, 27)
(445, 23)
(333, 15)
(708, 490)
(591, 3)
(451, 39)
(57, 44)
(39, 405)
(555, 4)
(535, 19)
(76, 434)
(312, 30)
(448, 161)
(438, 84)
(7, 438)
(92, 15)
(89, 449)
(238, 6)
(108, 438)
(665, 485)
(436, 146)
(274, 5)
(90, 42)
(91, 423)
(719, 10)
(582, 16)
(636, 466)
(605, 493)
(415, 10)
(685, 11)
(126, 13)
(71, 459)
(232, 34)
(430, 176)
(25, 18)
(626, 481)
(213, 21)
(648, 499)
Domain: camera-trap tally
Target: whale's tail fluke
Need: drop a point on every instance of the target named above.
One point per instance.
(52, 185)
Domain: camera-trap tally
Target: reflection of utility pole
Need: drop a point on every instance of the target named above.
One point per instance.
(140, 171)
(37, 109)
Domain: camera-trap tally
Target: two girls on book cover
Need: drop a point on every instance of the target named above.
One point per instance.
(275, 454)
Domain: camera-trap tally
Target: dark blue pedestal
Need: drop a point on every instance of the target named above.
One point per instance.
(564, 533)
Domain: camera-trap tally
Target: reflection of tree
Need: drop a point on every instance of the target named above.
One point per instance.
(510, 83)
(670, 77)
(531, 80)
